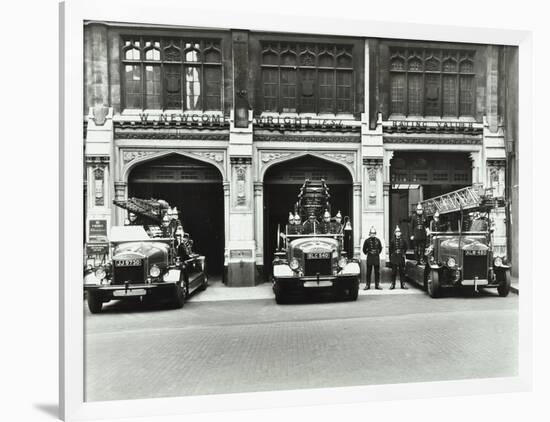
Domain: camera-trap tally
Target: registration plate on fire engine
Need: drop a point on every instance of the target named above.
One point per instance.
(318, 255)
(128, 262)
(475, 253)
(134, 292)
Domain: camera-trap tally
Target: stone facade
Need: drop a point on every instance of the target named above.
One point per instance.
(238, 143)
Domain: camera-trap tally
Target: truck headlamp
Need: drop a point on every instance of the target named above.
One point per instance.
(342, 262)
(154, 271)
(100, 273)
(451, 262)
(498, 261)
(294, 264)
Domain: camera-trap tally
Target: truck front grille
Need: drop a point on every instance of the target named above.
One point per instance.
(130, 274)
(475, 266)
(317, 266)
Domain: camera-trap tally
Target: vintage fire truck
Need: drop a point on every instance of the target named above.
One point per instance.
(150, 258)
(315, 255)
(462, 255)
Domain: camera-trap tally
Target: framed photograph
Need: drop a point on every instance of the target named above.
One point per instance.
(266, 211)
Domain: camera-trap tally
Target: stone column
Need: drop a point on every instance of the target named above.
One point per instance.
(226, 208)
(259, 220)
(496, 183)
(121, 194)
(357, 219)
(388, 155)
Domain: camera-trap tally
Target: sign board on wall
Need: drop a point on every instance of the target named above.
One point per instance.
(97, 231)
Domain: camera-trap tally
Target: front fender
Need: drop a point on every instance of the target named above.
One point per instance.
(282, 270)
(351, 268)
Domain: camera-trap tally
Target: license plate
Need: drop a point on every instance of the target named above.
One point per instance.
(128, 262)
(322, 283)
(130, 292)
(318, 255)
(475, 253)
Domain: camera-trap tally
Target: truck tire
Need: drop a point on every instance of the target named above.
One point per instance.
(434, 287)
(204, 284)
(354, 290)
(95, 304)
(280, 297)
(180, 292)
(504, 283)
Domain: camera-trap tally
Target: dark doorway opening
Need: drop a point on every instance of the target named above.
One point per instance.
(420, 175)
(282, 184)
(196, 189)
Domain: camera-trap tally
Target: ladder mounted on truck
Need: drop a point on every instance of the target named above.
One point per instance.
(152, 209)
(469, 198)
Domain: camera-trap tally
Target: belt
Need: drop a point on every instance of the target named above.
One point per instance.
(419, 227)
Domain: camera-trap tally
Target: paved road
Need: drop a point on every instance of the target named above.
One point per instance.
(255, 345)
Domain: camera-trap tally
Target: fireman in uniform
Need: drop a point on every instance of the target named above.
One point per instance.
(398, 247)
(336, 226)
(311, 225)
(436, 225)
(297, 228)
(418, 229)
(325, 226)
(372, 248)
(290, 224)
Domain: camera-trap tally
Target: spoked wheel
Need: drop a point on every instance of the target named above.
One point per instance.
(504, 283)
(434, 287)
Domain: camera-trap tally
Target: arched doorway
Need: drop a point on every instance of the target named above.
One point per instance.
(420, 175)
(196, 188)
(282, 184)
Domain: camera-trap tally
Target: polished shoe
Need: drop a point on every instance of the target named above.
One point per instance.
(392, 287)
(366, 288)
(404, 287)
(378, 288)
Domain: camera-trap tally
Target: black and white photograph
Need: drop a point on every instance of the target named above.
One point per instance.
(283, 210)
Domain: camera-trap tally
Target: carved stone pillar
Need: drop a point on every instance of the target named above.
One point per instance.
(242, 246)
(357, 219)
(388, 155)
(259, 224)
(496, 183)
(476, 167)
(226, 203)
(121, 193)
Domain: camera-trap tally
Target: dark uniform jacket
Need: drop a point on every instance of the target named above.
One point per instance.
(324, 227)
(437, 226)
(335, 227)
(398, 248)
(295, 229)
(308, 227)
(419, 225)
(372, 248)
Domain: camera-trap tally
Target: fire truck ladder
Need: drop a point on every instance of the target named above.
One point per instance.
(462, 199)
(148, 208)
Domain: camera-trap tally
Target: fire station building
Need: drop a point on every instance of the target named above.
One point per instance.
(227, 125)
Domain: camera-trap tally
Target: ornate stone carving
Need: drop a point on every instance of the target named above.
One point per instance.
(497, 163)
(99, 191)
(433, 141)
(270, 156)
(246, 161)
(344, 157)
(120, 190)
(137, 134)
(97, 159)
(214, 156)
(128, 156)
(241, 184)
(305, 138)
(372, 172)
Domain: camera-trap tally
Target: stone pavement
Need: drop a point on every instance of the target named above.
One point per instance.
(217, 291)
(137, 351)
